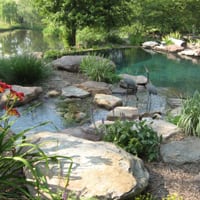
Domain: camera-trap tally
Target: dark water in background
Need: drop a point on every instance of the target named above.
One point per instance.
(166, 70)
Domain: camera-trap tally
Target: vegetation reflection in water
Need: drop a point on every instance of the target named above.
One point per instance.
(166, 70)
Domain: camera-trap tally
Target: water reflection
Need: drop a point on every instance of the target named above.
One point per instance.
(24, 41)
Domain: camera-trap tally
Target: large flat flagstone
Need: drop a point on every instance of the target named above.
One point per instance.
(123, 112)
(107, 101)
(99, 169)
(72, 91)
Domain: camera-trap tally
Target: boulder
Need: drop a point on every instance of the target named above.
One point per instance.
(99, 169)
(123, 112)
(95, 87)
(178, 42)
(72, 91)
(190, 52)
(88, 133)
(181, 152)
(163, 128)
(68, 63)
(169, 48)
(30, 93)
(139, 80)
(175, 102)
(150, 44)
(107, 101)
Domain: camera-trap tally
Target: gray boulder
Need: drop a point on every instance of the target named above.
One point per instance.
(181, 152)
(68, 63)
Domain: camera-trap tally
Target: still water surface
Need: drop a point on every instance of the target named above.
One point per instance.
(165, 70)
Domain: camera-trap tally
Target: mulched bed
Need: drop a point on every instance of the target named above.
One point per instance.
(167, 179)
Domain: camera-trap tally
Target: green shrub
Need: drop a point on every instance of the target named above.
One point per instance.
(190, 115)
(99, 69)
(134, 137)
(89, 37)
(23, 69)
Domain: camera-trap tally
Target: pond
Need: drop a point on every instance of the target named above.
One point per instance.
(166, 71)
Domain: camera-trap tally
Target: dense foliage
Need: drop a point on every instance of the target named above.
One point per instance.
(134, 137)
(126, 18)
(19, 12)
(75, 15)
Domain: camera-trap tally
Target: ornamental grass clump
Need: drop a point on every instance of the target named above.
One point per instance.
(190, 115)
(17, 155)
(23, 69)
(99, 69)
(135, 137)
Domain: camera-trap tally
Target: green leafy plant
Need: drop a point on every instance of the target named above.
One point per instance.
(167, 38)
(190, 115)
(23, 69)
(99, 69)
(17, 154)
(134, 137)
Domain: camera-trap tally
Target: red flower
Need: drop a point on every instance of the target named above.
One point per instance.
(18, 95)
(4, 86)
(12, 111)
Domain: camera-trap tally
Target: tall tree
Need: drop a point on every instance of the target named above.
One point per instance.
(170, 15)
(77, 14)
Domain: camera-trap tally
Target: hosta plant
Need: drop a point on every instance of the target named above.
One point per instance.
(135, 137)
(190, 115)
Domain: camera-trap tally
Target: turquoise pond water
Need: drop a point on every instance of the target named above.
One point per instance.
(166, 70)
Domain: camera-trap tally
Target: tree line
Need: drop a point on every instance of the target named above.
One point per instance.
(130, 17)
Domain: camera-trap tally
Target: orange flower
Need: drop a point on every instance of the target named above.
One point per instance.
(18, 95)
(12, 111)
(4, 86)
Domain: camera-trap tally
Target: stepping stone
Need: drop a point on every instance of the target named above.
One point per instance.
(95, 87)
(107, 101)
(122, 112)
(72, 91)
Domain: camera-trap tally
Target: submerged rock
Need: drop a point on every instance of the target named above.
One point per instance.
(72, 91)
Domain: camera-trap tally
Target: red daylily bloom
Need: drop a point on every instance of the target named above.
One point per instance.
(12, 111)
(4, 86)
(18, 95)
